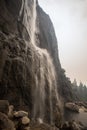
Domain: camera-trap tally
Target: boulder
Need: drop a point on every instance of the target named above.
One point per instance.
(23, 123)
(5, 123)
(20, 114)
(25, 120)
(72, 107)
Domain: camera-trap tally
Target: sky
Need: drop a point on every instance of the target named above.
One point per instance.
(69, 18)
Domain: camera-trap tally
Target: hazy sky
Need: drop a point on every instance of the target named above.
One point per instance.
(70, 22)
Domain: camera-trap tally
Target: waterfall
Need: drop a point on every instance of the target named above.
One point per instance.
(44, 73)
(45, 76)
(33, 23)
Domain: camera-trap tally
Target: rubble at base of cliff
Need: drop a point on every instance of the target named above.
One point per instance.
(10, 119)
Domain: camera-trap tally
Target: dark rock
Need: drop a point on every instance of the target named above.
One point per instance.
(4, 106)
(25, 120)
(23, 123)
(9, 11)
(81, 104)
(5, 123)
(73, 125)
(13, 69)
(27, 128)
(11, 111)
(65, 126)
(42, 127)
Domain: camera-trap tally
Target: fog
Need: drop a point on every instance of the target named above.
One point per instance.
(69, 18)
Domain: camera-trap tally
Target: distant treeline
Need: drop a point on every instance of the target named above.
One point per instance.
(79, 91)
(71, 91)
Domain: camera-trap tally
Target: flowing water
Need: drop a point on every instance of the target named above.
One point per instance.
(45, 74)
(82, 117)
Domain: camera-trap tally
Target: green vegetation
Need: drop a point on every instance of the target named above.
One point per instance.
(79, 91)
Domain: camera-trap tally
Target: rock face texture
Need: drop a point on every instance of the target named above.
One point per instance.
(9, 11)
(22, 63)
(48, 40)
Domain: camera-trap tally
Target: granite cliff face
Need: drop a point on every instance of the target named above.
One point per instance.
(48, 40)
(29, 62)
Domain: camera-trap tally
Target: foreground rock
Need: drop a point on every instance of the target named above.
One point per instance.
(6, 123)
(42, 127)
(25, 120)
(73, 125)
(11, 120)
(84, 104)
(18, 114)
(21, 120)
(4, 106)
(72, 107)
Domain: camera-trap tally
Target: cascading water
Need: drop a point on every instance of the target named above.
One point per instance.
(33, 23)
(44, 77)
